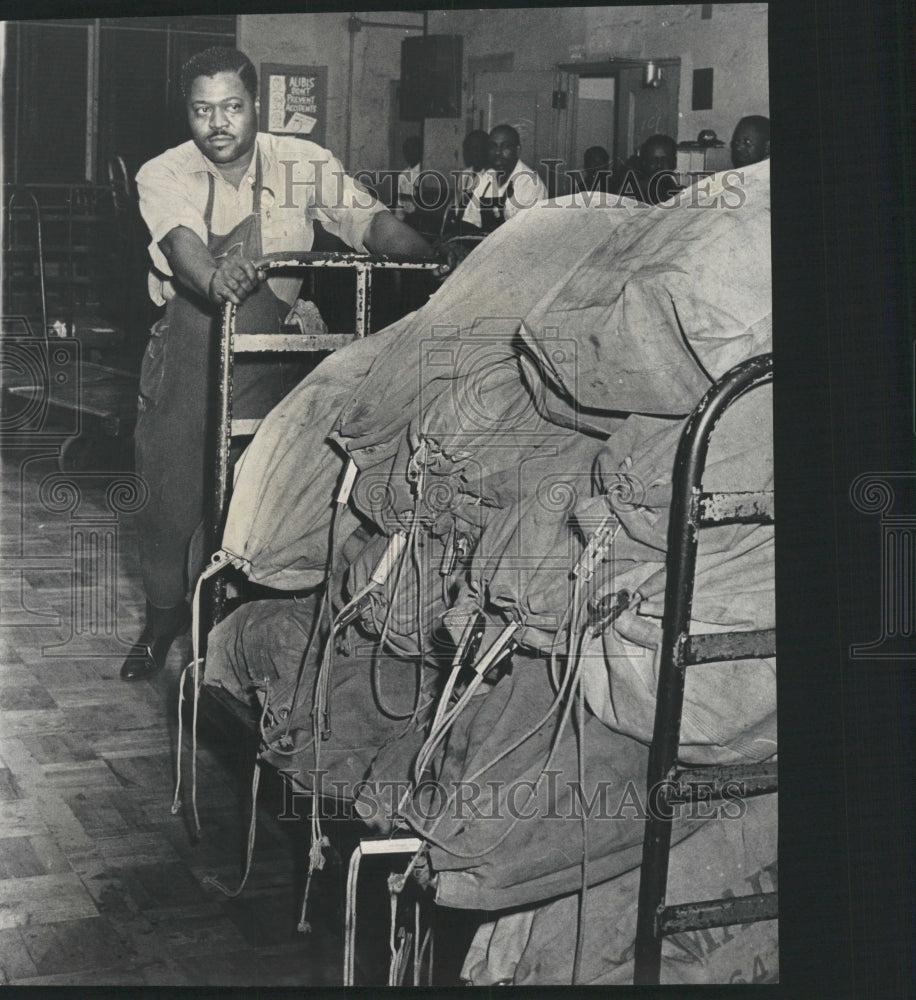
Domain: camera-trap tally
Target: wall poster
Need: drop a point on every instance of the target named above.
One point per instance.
(294, 100)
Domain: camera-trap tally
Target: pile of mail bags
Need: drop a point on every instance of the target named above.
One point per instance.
(532, 405)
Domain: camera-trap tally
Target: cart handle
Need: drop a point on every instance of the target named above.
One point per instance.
(340, 258)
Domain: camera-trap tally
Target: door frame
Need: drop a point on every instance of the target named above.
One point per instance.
(567, 73)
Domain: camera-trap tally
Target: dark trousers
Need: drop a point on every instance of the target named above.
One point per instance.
(175, 436)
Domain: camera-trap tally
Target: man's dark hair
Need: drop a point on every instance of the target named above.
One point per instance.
(513, 133)
(759, 123)
(665, 141)
(219, 59)
(596, 157)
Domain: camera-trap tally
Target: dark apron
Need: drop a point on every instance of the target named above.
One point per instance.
(492, 213)
(493, 210)
(175, 436)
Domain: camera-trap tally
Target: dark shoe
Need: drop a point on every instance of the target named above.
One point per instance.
(146, 657)
(149, 653)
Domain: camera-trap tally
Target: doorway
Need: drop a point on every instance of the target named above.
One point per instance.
(595, 118)
(609, 104)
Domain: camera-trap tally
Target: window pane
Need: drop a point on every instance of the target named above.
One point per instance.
(141, 112)
(132, 96)
(45, 100)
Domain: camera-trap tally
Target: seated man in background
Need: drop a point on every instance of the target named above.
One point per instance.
(596, 173)
(650, 176)
(475, 151)
(751, 141)
(509, 186)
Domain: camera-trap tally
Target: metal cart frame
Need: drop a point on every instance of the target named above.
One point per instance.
(232, 343)
(667, 784)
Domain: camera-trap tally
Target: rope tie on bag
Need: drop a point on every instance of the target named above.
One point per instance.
(321, 723)
(253, 822)
(568, 694)
(396, 884)
(218, 561)
(391, 558)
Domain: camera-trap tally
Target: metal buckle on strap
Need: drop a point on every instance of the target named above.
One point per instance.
(608, 609)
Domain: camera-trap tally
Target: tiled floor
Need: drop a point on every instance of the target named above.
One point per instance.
(99, 883)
